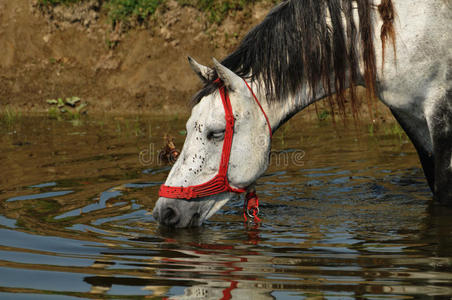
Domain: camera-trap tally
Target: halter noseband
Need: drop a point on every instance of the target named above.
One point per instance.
(220, 182)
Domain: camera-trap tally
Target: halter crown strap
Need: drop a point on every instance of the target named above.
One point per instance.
(219, 183)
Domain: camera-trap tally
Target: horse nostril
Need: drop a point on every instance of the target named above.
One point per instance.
(171, 216)
(155, 214)
(194, 222)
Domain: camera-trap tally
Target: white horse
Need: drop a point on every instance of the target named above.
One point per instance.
(304, 51)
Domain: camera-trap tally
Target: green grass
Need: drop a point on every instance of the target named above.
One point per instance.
(127, 10)
(57, 2)
(140, 10)
(9, 116)
(396, 130)
(118, 10)
(323, 115)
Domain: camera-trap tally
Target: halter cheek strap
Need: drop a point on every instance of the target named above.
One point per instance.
(219, 183)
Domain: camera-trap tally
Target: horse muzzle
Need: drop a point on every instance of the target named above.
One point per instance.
(177, 213)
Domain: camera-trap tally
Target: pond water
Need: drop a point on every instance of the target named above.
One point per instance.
(346, 214)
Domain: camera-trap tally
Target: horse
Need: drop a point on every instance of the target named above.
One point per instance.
(303, 51)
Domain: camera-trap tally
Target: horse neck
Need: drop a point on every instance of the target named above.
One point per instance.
(281, 110)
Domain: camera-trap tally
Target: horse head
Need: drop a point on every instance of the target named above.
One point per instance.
(197, 186)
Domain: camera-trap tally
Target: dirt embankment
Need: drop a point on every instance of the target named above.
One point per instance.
(73, 51)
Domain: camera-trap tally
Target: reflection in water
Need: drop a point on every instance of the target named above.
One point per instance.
(352, 219)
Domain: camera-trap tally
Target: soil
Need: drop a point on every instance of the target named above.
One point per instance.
(74, 51)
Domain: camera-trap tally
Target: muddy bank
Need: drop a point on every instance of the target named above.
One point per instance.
(69, 52)
(74, 51)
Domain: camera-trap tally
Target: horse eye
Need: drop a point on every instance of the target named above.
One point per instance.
(216, 135)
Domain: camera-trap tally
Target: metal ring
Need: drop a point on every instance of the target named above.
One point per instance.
(249, 213)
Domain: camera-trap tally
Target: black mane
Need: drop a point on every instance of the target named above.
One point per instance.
(296, 45)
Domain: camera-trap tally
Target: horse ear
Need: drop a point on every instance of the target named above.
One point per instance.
(232, 81)
(205, 73)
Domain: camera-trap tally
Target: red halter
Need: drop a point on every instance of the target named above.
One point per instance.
(219, 183)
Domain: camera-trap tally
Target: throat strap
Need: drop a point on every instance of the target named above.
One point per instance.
(260, 106)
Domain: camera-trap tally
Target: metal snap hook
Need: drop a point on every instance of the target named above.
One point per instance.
(252, 212)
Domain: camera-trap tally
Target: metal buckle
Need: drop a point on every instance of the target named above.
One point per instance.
(250, 214)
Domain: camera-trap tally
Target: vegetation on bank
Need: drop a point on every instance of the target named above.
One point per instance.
(141, 10)
(56, 2)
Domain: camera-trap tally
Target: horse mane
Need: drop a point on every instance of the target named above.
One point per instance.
(308, 42)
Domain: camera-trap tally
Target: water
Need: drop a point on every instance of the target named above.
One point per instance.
(346, 214)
